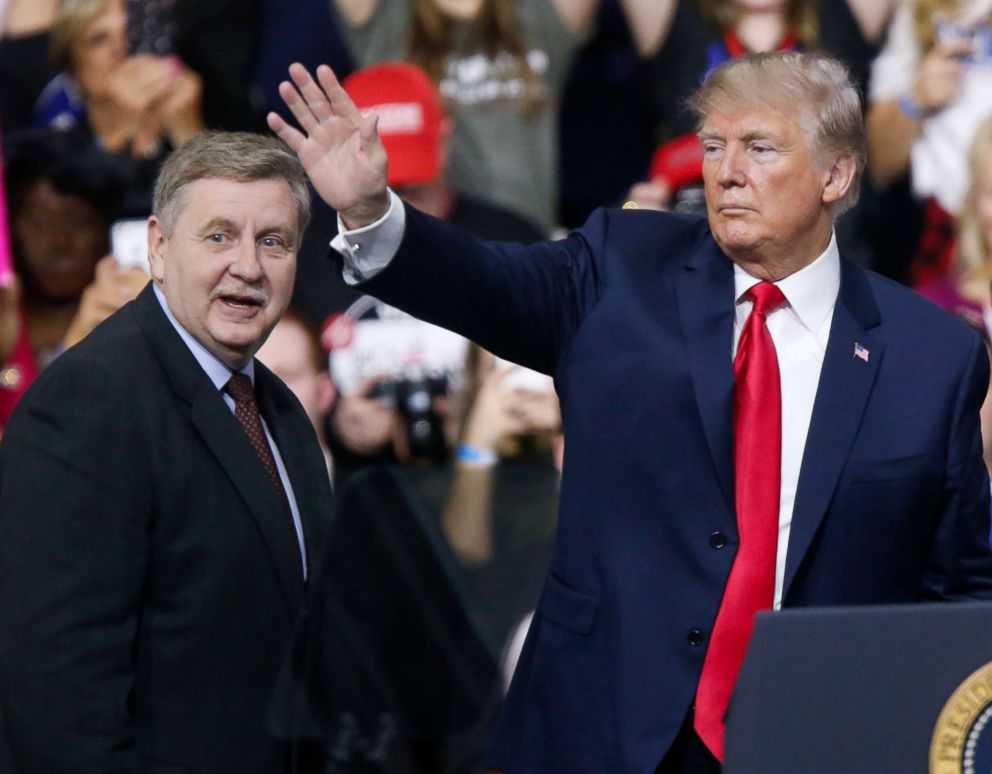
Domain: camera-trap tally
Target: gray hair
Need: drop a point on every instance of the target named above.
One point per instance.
(239, 156)
(828, 103)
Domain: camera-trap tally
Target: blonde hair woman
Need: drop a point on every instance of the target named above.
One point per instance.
(931, 87)
(130, 102)
(966, 291)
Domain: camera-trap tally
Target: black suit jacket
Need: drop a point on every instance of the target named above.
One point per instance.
(149, 577)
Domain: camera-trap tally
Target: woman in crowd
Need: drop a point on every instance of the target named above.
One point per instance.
(133, 103)
(61, 198)
(500, 66)
(965, 291)
(931, 87)
(500, 515)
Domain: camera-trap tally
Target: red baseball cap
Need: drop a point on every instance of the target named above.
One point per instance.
(410, 118)
(678, 162)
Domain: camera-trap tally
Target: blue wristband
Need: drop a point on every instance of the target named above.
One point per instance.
(475, 455)
(910, 107)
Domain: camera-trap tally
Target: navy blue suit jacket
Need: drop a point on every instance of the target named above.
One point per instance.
(633, 315)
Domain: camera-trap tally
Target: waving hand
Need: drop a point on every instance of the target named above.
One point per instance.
(339, 147)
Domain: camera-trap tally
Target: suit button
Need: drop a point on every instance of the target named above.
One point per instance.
(718, 540)
(696, 638)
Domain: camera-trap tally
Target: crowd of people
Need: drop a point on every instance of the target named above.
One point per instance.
(493, 114)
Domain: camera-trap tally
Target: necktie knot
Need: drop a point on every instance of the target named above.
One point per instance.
(766, 297)
(240, 388)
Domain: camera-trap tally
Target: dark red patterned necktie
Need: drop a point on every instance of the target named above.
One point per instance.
(757, 469)
(240, 388)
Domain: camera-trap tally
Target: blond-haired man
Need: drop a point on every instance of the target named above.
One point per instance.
(750, 421)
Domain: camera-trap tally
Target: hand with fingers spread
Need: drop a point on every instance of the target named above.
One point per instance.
(338, 146)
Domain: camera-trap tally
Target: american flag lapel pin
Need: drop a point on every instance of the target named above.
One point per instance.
(860, 352)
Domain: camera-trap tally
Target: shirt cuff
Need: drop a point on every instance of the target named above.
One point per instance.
(369, 249)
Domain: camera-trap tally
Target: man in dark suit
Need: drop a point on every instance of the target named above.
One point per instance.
(162, 495)
(751, 422)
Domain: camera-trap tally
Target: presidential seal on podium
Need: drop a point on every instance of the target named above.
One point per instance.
(962, 738)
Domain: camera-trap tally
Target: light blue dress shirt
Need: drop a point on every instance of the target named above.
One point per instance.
(220, 373)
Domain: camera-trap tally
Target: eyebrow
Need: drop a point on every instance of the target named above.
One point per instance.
(218, 223)
(750, 136)
(756, 135)
(226, 224)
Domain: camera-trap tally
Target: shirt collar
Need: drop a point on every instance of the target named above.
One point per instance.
(811, 291)
(219, 372)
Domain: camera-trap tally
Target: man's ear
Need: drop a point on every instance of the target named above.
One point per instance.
(838, 177)
(156, 249)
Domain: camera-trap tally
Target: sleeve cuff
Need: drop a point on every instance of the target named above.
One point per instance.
(369, 249)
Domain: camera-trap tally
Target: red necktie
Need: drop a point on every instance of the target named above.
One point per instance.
(246, 412)
(757, 469)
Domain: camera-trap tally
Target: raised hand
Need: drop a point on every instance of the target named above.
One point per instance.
(338, 147)
(939, 78)
(112, 287)
(180, 112)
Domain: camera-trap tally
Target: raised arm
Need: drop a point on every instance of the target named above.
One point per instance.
(338, 146)
(892, 131)
(521, 302)
(26, 17)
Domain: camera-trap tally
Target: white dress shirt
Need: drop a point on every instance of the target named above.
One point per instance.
(220, 374)
(799, 330)
(368, 250)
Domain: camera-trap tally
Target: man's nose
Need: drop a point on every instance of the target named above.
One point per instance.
(246, 263)
(730, 171)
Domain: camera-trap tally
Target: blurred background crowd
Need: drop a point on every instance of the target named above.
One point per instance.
(513, 119)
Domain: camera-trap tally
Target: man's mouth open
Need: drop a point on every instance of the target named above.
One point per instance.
(243, 304)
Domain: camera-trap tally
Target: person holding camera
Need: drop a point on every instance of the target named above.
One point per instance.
(499, 517)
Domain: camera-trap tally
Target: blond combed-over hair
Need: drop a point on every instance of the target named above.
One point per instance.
(814, 87)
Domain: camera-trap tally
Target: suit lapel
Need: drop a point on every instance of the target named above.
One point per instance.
(845, 384)
(225, 438)
(300, 452)
(706, 308)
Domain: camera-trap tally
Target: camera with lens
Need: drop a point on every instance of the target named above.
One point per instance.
(413, 400)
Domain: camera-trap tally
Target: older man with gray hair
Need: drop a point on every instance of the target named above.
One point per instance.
(162, 494)
(751, 421)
